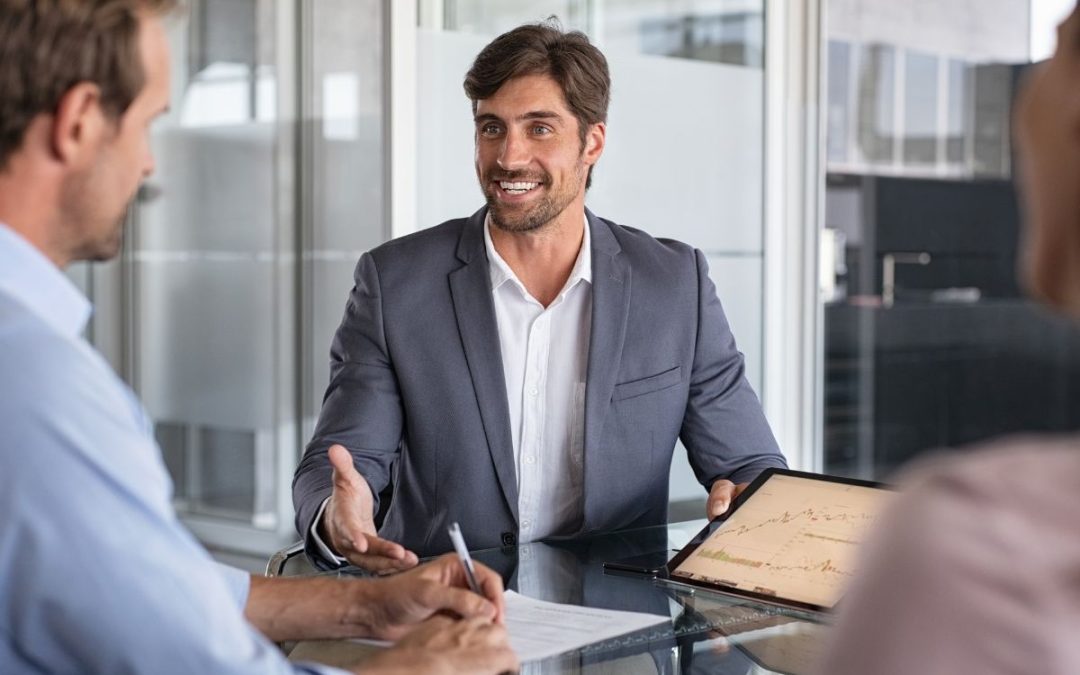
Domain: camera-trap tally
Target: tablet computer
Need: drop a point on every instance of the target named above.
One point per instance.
(790, 538)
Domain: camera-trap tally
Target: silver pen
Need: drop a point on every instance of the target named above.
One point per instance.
(463, 555)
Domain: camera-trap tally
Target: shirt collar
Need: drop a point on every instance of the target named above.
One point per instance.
(500, 271)
(34, 281)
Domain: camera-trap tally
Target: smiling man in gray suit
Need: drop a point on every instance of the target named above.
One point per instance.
(525, 371)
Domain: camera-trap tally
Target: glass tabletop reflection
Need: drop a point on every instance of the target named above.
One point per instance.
(706, 632)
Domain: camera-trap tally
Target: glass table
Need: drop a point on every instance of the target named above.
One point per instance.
(707, 632)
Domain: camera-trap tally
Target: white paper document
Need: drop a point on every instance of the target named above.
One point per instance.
(541, 629)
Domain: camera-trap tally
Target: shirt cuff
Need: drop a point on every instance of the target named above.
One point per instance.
(324, 550)
(239, 583)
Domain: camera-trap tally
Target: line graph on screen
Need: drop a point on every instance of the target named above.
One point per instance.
(794, 538)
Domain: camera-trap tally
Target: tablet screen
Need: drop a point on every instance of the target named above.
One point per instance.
(794, 538)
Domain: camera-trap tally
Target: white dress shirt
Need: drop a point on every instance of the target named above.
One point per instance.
(545, 353)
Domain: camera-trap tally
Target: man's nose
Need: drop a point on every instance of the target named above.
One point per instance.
(149, 164)
(514, 153)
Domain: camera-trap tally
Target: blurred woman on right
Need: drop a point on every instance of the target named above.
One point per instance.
(976, 567)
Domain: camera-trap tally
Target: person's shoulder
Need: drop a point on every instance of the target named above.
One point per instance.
(438, 241)
(43, 370)
(636, 242)
(30, 349)
(1029, 464)
(988, 502)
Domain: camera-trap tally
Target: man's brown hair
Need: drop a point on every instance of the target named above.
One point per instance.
(49, 46)
(578, 67)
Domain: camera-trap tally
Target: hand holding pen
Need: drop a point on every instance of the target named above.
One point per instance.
(437, 587)
(437, 623)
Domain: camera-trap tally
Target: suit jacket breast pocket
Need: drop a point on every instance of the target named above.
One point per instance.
(647, 385)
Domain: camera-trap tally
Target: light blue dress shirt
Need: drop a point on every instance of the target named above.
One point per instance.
(97, 575)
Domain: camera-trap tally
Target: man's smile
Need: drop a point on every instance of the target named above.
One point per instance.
(517, 187)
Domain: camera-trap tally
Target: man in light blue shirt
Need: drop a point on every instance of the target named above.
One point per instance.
(97, 575)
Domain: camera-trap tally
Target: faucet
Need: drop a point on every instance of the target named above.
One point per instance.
(888, 272)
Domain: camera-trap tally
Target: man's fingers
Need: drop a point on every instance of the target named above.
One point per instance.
(385, 548)
(489, 649)
(464, 603)
(487, 633)
(350, 520)
(502, 660)
(347, 479)
(718, 503)
(438, 623)
(717, 508)
(442, 645)
(381, 564)
(345, 473)
(720, 496)
(350, 513)
(448, 570)
(491, 585)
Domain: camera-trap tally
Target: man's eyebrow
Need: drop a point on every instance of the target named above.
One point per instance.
(531, 115)
(541, 115)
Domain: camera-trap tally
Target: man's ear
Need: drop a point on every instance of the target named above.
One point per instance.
(594, 142)
(78, 125)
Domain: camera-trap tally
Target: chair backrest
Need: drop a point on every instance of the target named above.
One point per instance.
(289, 562)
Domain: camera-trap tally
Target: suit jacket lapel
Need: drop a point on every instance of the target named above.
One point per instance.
(611, 307)
(470, 287)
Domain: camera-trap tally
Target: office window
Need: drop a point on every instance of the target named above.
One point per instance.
(876, 117)
(921, 113)
(239, 259)
(838, 114)
(343, 176)
(929, 341)
(958, 115)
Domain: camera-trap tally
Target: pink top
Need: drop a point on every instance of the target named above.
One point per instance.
(975, 569)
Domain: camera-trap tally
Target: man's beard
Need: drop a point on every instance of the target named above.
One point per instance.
(518, 219)
(107, 248)
(94, 232)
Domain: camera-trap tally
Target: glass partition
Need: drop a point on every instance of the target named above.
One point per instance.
(929, 341)
(269, 184)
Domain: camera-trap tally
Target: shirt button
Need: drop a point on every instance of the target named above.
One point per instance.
(530, 460)
(525, 523)
(534, 391)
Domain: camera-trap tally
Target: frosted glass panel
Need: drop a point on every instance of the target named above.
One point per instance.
(208, 263)
(269, 185)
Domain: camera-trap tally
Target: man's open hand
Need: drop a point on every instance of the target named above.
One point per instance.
(348, 523)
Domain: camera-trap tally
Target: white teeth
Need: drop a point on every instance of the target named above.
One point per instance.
(517, 187)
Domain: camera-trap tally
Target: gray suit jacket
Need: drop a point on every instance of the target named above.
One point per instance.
(417, 392)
